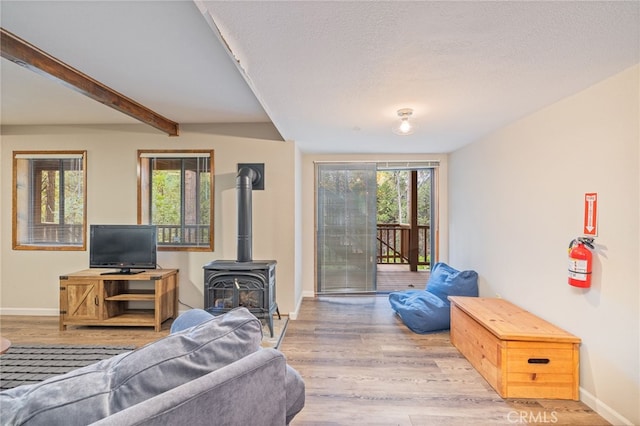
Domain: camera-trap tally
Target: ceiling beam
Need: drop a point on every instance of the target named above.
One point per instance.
(28, 56)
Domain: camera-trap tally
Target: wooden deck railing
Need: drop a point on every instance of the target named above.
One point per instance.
(54, 233)
(187, 234)
(393, 243)
(72, 234)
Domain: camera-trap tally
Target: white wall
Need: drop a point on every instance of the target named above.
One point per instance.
(29, 279)
(298, 252)
(516, 200)
(308, 204)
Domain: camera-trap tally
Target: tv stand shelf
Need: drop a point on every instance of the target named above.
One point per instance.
(95, 297)
(141, 295)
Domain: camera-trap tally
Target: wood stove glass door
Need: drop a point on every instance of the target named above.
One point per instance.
(346, 227)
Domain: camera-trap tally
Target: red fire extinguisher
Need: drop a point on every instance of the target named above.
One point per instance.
(580, 262)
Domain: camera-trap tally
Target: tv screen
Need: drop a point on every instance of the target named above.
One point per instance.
(124, 247)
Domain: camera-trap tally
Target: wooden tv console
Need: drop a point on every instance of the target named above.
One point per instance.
(145, 299)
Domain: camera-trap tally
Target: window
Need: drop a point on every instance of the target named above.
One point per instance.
(49, 200)
(175, 192)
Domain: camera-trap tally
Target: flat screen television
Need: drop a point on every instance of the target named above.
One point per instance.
(124, 247)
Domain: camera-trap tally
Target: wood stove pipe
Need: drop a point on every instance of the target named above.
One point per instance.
(245, 179)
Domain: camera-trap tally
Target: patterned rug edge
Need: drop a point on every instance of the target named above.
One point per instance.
(26, 364)
(30, 363)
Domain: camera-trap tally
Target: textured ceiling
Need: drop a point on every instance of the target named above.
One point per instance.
(329, 75)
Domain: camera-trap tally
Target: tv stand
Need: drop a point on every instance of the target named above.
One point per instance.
(104, 297)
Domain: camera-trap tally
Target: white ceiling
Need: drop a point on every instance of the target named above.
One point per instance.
(329, 75)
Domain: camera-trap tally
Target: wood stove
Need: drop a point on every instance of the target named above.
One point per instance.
(229, 284)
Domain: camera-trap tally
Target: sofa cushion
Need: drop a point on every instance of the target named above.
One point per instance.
(446, 281)
(99, 390)
(189, 319)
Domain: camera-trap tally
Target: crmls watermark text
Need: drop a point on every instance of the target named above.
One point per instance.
(525, 417)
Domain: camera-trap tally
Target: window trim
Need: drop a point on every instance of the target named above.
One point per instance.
(143, 188)
(70, 154)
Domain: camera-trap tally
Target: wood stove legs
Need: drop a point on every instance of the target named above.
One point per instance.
(270, 320)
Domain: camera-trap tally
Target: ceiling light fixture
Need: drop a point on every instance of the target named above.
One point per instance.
(405, 127)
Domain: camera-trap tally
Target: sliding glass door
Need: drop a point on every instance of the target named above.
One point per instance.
(346, 227)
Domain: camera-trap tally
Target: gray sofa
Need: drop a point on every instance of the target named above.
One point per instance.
(215, 373)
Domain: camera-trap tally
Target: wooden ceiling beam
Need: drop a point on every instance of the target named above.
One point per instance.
(28, 56)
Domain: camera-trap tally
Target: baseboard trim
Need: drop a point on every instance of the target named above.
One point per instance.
(608, 413)
(45, 312)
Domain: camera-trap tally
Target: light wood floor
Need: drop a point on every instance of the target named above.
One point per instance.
(361, 366)
(21, 329)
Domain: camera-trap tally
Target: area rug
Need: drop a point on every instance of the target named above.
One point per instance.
(27, 364)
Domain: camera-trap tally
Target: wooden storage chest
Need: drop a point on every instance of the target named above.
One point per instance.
(519, 354)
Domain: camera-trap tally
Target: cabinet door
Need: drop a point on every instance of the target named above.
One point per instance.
(80, 300)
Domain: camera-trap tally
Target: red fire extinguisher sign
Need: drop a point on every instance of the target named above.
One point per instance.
(590, 214)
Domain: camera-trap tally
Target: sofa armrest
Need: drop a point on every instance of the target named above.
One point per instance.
(248, 391)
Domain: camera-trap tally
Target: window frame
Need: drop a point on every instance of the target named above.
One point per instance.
(144, 182)
(44, 155)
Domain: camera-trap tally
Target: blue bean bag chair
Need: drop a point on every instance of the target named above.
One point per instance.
(428, 310)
